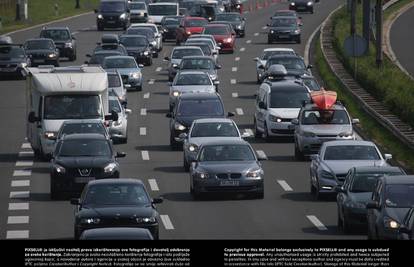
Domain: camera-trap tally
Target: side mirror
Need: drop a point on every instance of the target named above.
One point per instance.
(314, 157)
(218, 67)
(261, 157)
(168, 115)
(128, 111)
(128, 10)
(300, 24)
(73, 37)
(244, 19)
(230, 114)
(300, 17)
(157, 200)
(74, 201)
(261, 67)
(140, 66)
(182, 136)
(309, 66)
(127, 85)
(262, 105)
(340, 189)
(387, 156)
(169, 83)
(120, 155)
(355, 121)
(167, 58)
(113, 116)
(256, 59)
(373, 205)
(32, 117)
(86, 62)
(151, 45)
(88, 55)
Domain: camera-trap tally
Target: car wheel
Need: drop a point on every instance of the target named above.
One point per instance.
(269, 40)
(186, 165)
(257, 133)
(173, 144)
(139, 88)
(298, 41)
(149, 63)
(260, 194)
(317, 193)
(311, 11)
(177, 42)
(54, 193)
(195, 194)
(76, 234)
(265, 133)
(298, 154)
(339, 221)
(345, 226)
(312, 189)
(100, 28)
(72, 58)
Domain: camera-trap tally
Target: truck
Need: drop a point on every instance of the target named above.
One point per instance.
(58, 94)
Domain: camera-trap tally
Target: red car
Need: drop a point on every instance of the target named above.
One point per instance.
(224, 37)
(189, 26)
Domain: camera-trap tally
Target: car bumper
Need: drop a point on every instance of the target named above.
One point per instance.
(138, 19)
(226, 47)
(71, 184)
(311, 145)
(283, 36)
(215, 185)
(153, 228)
(37, 62)
(279, 129)
(356, 216)
(66, 51)
(111, 23)
(11, 71)
(301, 8)
(169, 35)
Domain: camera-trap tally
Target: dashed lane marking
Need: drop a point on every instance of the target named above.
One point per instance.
(75, 32)
(153, 184)
(234, 69)
(167, 222)
(158, 69)
(26, 146)
(18, 206)
(17, 234)
(234, 95)
(248, 41)
(20, 183)
(239, 111)
(242, 49)
(26, 154)
(143, 131)
(147, 95)
(151, 81)
(17, 219)
(19, 194)
(233, 81)
(256, 34)
(145, 155)
(143, 112)
(237, 58)
(316, 222)
(24, 163)
(261, 153)
(264, 27)
(284, 185)
(22, 173)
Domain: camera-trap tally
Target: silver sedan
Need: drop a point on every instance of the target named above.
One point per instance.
(118, 130)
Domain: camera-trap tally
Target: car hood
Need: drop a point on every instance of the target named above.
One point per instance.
(227, 166)
(112, 13)
(296, 72)
(363, 197)
(200, 140)
(397, 214)
(326, 129)
(39, 51)
(155, 19)
(342, 166)
(194, 30)
(193, 88)
(54, 125)
(127, 71)
(83, 162)
(117, 211)
(285, 113)
(134, 49)
(187, 121)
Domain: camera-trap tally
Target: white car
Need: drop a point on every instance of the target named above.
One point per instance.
(154, 28)
(157, 11)
(267, 53)
(118, 130)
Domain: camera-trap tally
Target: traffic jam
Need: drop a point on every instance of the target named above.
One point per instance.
(81, 113)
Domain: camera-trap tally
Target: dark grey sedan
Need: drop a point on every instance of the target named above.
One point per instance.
(227, 166)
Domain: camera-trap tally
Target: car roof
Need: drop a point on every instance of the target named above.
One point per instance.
(399, 179)
(349, 143)
(133, 36)
(281, 17)
(39, 39)
(164, 3)
(133, 25)
(107, 51)
(198, 57)
(230, 13)
(286, 85)
(200, 96)
(232, 141)
(212, 120)
(376, 169)
(194, 18)
(82, 136)
(116, 181)
(186, 47)
(126, 57)
(55, 28)
(278, 49)
(82, 121)
(284, 56)
(216, 25)
(189, 71)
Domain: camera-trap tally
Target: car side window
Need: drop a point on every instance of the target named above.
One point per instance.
(348, 179)
(265, 99)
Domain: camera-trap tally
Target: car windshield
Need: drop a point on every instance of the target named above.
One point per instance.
(11, 52)
(214, 129)
(114, 105)
(112, 7)
(134, 41)
(180, 53)
(228, 17)
(268, 54)
(204, 47)
(85, 127)
(217, 30)
(149, 27)
(119, 63)
(199, 64)
(39, 44)
(399, 195)
(351, 152)
(57, 35)
(171, 21)
(63, 107)
(85, 148)
(290, 63)
(99, 58)
(196, 23)
(141, 31)
(288, 98)
(162, 10)
(193, 79)
(201, 107)
(227, 153)
(283, 22)
(365, 182)
(116, 194)
(328, 116)
(196, 42)
(114, 80)
(137, 5)
(311, 84)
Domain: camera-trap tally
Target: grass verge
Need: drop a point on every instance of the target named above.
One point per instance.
(41, 11)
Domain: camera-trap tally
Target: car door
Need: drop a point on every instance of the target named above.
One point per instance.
(343, 196)
(260, 113)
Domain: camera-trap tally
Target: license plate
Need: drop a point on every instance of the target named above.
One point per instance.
(38, 60)
(301, 7)
(111, 21)
(283, 36)
(83, 180)
(229, 183)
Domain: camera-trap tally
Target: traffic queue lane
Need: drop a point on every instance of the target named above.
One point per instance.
(288, 211)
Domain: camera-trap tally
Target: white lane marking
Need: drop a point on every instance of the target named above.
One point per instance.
(17, 219)
(234, 95)
(145, 155)
(167, 222)
(143, 131)
(256, 34)
(233, 81)
(147, 95)
(153, 184)
(19, 183)
(17, 234)
(248, 41)
(249, 132)
(19, 194)
(261, 153)
(234, 69)
(18, 206)
(26, 146)
(264, 27)
(239, 111)
(316, 222)
(143, 112)
(284, 185)
(75, 32)
(26, 154)
(151, 81)
(237, 59)
(158, 69)
(242, 49)
(22, 173)
(24, 163)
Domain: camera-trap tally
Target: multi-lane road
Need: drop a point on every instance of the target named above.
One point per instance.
(287, 212)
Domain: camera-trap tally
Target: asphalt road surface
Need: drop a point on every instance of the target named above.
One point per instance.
(287, 212)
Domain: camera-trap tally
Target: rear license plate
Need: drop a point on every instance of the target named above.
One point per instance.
(229, 183)
(111, 21)
(83, 180)
(283, 36)
(38, 60)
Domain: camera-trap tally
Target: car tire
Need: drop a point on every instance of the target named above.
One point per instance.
(195, 194)
(72, 57)
(269, 40)
(312, 189)
(186, 165)
(100, 28)
(257, 133)
(317, 194)
(338, 221)
(265, 134)
(138, 88)
(298, 41)
(76, 234)
(345, 226)
(298, 154)
(173, 144)
(311, 11)
(149, 62)
(259, 195)
(54, 193)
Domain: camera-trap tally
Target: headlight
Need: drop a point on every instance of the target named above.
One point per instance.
(310, 3)
(165, 30)
(213, 76)
(110, 167)
(176, 93)
(326, 175)
(146, 53)
(100, 16)
(296, 31)
(238, 6)
(179, 126)
(202, 175)
(308, 134)
(154, 43)
(123, 16)
(136, 75)
(189, 33)
(90, 221)
(174, 65)
(59, 169)
(50, 135)
(391, 223)
(254, 173)
(274, 118)
(227, 40)
(192, 147)
(68, 45)
(292, 4)
(239, 27)
(23, 65)
(345, 134)
(272, 31)
(146, 220)
(52, 55)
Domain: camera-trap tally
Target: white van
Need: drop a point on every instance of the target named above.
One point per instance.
(157, 11)
(55, 95)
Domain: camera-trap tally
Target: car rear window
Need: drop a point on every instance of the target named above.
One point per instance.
(351, 152)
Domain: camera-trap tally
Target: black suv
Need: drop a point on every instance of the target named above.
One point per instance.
(42, 51)
(63, 39)
(112, 14)
(283, 29)
(13, 60)
(80, 158)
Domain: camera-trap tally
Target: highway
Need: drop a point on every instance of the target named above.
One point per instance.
(288, 210)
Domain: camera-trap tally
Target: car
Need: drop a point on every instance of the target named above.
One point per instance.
(118, 129)
(302, 5)
(204, 36)
(98, 57)
(237, 21)
(222, 35)
(116, 233)
(391, 201)
(277, 103)
(157, 11)
(42, 51)
(204, 130)
(294, 65)
(80, 158)
(190, 81)
(329, 167)
(283, 29)
(169, 24)
(82, 127)
(226, 166)
(145, 32)
(266, 54)
(211, 44)
(201, 63)
(227, 23)
(177, 55)
(112, 14)
(406, 230)
(138, 47)
(128, 68)
(155, 31)
(5, 39)
(138, 12)
(311, 82)
(189, 108)
(109, 38)
(111, 47)
(189, 26)
(116, 85)
(119, 202)
(288, 13)
(13, 60)
(64, 40)
(314, 126)
(356, 192)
